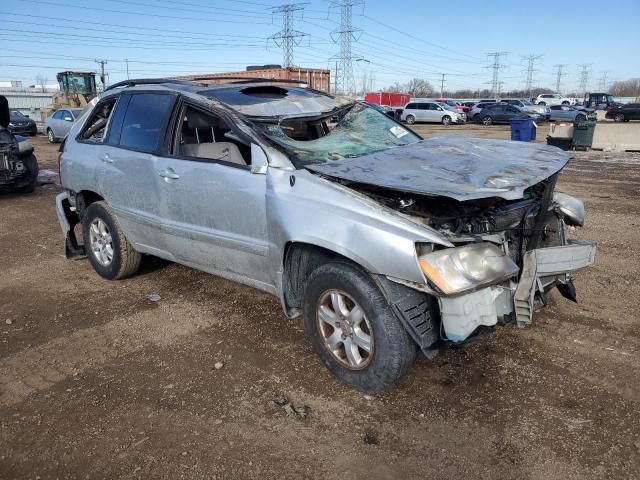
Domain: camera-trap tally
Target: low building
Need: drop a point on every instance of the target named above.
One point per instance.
(316, 78)
(28, 100)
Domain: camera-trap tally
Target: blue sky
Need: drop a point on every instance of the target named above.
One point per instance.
(401, 40)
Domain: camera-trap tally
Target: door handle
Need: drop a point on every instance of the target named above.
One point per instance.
(168, 174)
(106, 158)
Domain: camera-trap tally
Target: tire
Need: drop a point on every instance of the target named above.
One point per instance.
(619, 117)
(580, 118)
(31, 165)
(51, 136)
(124, 261)
(565, 103)
(446, 120)
(487, 120)
(542, 103)
(392, 350)
(410, 119)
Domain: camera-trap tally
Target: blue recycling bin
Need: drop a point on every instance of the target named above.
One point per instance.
(523, 130)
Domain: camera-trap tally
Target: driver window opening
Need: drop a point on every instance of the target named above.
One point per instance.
(97, 124)
(206, 136)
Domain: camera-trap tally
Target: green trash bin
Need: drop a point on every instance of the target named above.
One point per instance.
(583, 134)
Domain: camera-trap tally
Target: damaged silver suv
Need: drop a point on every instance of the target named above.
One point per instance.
(386, 243)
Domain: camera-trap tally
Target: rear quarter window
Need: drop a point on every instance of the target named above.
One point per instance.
(145, 121)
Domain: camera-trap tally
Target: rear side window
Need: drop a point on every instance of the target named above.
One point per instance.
(145, 121)
(411, 106)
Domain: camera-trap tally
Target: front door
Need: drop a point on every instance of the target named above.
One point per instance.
(213, 206)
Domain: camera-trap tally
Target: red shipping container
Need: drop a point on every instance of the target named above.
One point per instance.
(390, 99)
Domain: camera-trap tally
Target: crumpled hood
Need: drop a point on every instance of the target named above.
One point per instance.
(462, 168)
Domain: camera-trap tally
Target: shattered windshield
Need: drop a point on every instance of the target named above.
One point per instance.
(359, 131)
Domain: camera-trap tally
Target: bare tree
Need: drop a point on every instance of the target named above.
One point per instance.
(626, 88)
(41, 81)
(419, 87)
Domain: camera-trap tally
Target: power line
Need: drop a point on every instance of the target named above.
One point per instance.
(530, 70)
(287, 38)
(496, 66)
(559, 67)
(584, 76)
(442, 84)
(602, 82)
(103, 78)
(345, 34)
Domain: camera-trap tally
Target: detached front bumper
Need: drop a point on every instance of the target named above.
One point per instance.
(542, 269)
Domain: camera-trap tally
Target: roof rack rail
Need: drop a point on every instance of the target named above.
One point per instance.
(251, 80)
(148, 81)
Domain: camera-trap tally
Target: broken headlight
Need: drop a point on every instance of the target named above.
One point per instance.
(455, 270)
(571, 207)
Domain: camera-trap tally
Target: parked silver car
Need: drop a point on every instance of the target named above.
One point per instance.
(571, 113)
(527, 106)
(58, 124)
(386, 243)
(433, 112)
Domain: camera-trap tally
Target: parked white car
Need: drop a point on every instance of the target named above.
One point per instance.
(554, 99)
(430, 112)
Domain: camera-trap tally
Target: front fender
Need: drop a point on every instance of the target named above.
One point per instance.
(303, 207)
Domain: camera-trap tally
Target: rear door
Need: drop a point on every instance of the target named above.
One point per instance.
(129, 180)
(54, 123)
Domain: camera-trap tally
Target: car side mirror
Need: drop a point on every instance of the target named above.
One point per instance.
(27, 116)
(259, 163)
(68, 119)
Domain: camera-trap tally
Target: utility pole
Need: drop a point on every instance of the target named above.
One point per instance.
(496, 66)
(559, 67)
(584, 76)
(126, 61)
(602, 85)
(287, 38)
(530, 64)
(103, 77)
(443, 75)
(345, 34)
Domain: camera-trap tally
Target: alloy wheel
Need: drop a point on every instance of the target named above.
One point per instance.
(101, 242)
(345, 329)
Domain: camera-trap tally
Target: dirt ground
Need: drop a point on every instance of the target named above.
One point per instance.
(97, 381)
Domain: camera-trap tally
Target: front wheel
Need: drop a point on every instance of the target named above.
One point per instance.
(619, 117)
(446, 120)
(580, 118)
(110, 253)
(542, 103)
(51, 136)
(354, 330)
(411, 119)
(487, 120)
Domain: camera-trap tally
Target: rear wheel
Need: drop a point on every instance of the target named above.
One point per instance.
(619, 117)
(51, 136)
(110, 253)
(411, 119)
(487, 120)
(31, 164)
(542, 103)
(565, 103)
(353, 329)
(446, 120)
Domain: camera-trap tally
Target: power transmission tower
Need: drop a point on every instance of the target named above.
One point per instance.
(103, 77)
(287, 38)
(602, 82)
(531, 59)
(584, 76)
(345, 34)
(442, 79)
(496, 66)
(559, 67)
